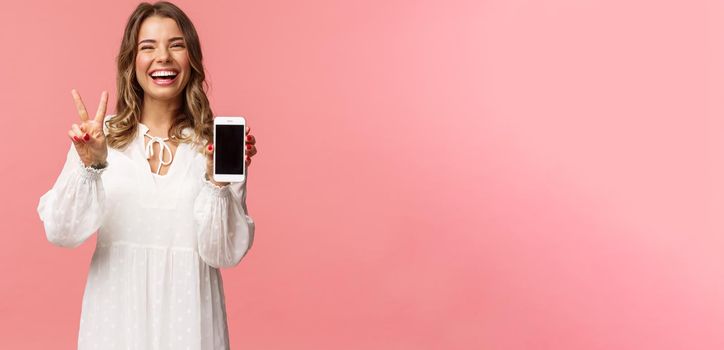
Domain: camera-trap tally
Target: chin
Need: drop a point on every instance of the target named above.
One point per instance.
(163, 93)
(165, 96)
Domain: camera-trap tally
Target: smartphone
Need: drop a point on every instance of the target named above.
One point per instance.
(229, 149)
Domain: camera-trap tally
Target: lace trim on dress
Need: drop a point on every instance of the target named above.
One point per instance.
(90, 172)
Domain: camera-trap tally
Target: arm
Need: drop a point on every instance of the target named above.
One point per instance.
(225, 231)
(72, 209)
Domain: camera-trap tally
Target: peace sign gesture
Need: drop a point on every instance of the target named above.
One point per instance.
(88, 137)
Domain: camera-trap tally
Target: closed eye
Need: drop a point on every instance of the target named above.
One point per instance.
(150, 47)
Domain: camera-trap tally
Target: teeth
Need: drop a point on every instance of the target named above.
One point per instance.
(163, 74)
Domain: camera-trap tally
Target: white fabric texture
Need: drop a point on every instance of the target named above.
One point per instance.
(154, 280)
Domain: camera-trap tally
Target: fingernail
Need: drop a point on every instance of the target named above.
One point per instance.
(211, 147)
(248, 146)
(76, 138)
(86, 137)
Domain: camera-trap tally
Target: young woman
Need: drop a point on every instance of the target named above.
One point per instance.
(142, 179)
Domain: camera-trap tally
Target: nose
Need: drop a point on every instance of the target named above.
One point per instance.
(163, 55)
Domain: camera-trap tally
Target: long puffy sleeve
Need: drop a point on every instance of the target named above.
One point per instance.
(225, 231)
(72, 209)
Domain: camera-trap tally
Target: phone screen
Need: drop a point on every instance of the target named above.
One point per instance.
(229, 149)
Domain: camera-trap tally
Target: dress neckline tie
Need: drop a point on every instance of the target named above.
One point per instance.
(163, 147)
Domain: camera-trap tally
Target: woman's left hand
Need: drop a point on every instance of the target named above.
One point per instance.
(250, 146)
(250, 152)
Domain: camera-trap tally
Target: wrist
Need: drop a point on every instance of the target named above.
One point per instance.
(98, 165)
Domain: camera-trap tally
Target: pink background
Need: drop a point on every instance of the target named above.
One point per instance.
(431, 174)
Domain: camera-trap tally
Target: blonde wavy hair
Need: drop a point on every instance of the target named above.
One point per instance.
(194, 112)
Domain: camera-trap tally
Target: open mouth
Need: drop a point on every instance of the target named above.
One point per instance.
(165, 78)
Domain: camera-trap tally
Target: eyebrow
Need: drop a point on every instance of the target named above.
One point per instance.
(154, 41)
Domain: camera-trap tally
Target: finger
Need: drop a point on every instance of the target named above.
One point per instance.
(78, 133)
(250, 139)
(209, 150)
(248, 161)
(102, 107)
(250, 149)
(248, 129)
(79, 105)
(73, 138)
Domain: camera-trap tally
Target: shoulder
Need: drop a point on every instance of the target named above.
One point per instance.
(192, 140)
(197, 147)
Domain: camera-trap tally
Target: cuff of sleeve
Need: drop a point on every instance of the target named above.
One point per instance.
(218, 191)
(90, 173)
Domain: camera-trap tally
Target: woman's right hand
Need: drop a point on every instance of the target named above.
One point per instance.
(88, 136)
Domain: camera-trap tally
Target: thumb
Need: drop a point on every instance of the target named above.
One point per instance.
(210, 150)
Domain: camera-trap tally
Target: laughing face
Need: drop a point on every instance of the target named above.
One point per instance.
(162, 61)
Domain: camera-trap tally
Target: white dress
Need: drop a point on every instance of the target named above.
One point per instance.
(153, 281)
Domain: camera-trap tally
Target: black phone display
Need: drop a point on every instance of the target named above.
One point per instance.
(229, 149)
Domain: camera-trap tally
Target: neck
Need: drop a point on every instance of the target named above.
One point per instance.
(158, 115)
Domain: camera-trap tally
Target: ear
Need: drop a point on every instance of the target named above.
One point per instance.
(105, 123)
